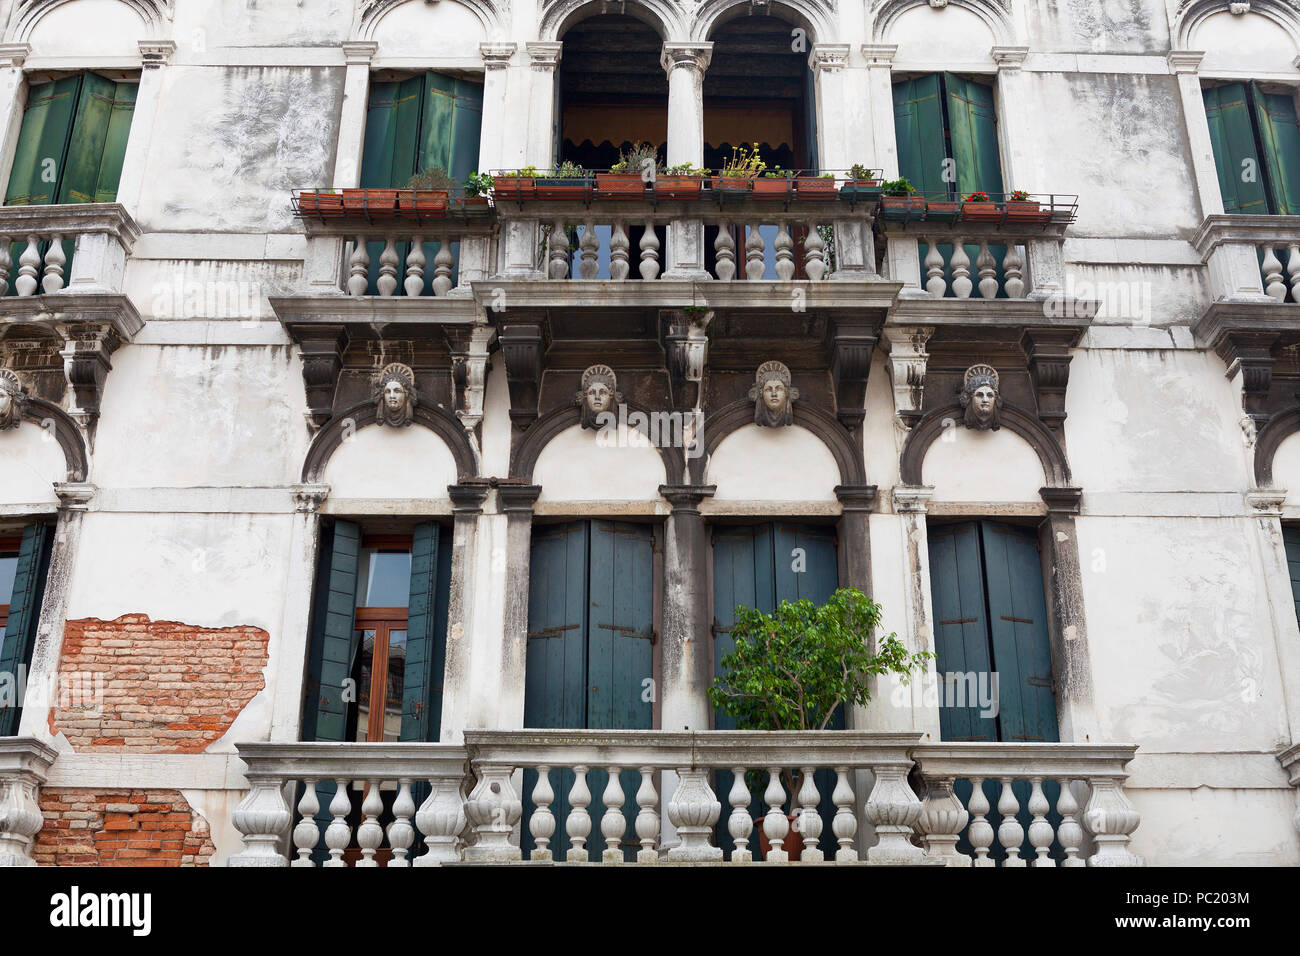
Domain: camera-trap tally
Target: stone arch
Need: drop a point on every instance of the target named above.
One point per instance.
(433, 417)
(153, 14)
(1192, 13)
(994, 14)
(45, 414)
(1278, 429)
(1050, 454)
(659, 15)
(813, 16)
(846, 452)
(493, 14)
(524, 458)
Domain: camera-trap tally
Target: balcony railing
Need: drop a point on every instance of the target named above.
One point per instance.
(1251, 258)
(648, 797)
(64, 249)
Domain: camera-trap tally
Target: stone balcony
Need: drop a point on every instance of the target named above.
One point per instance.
(647, 798)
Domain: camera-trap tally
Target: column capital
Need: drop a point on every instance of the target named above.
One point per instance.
(1186, 61)
(1009, 57)
(686, 498)
(1061, 501)
(517, 499)
(856, 497)
(828, 56)
(74, 495)
(496, 56)
(14, 54)
(544, 55)
(879, 55)
(359, 52)
(697, 56)
(308, 498)
(1266, 502)
(468, 496)
(156, 53)
(912, 499)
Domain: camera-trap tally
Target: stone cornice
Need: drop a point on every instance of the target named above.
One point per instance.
(911, 499)
(697, 56)
(857, 497)
(1009, 57)
(544, 55)
(496, 56)
(156, 53)
(1061, 500)
(828, 56)
(517, 498)
(13, 54)
(308, 498)
(524, 294)
(359, 52)
(74, 496)
(1185, 61)
(879, 54)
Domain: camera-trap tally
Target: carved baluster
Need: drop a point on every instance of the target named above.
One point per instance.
(559, 239)
(338, 834)
(612, 824)
(814, 254)
(306, 833)
(810, 821)
(775, 825)
(739, 824)
(387, 283)
(1272, 270)
(784, 245)
(619, 247)
(1293, 270)
(6, 263)
(400, 832)
(1069, 832)
(29, 265)
(1111, 818)
(845, 824)
(261, 818)
(755, 247)
(589, 249)
(893, 809)
(358, 268)
(415, 263)
(724, 249)
(55, 260)
(494, 811)
(981, 831)
(1013, 272)
(942, 820)
(443, 261)
(370, 834)
(442, 817)
(988, 271)
(693, 810)
(1010, 833)
(1040, 831)
(542, 823)
(934, 281)
(647, 818)
(578, 824)
(960, 262)
(649, 253)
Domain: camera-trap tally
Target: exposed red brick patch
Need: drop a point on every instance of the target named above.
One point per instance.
(120, 828)
(167, 687)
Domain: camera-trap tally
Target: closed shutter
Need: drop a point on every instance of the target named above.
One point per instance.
(1241, 180)
(1291, 540)
(973, 130)
(333, 644)
(43, 142)
(426, 635)
(742, 574)
(24, 614)
(392, 131)
(451, 126)
(918, 133)
(119, 131)
(1279, 134)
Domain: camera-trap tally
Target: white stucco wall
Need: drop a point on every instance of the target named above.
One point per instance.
(773, 465)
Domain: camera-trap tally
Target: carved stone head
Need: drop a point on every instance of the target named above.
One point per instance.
(773, 396)
(395, 396)
(599, 393)
(981, 399)
(12, 400)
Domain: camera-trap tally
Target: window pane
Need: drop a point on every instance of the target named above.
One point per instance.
(367, 652)
(383, 578)
(393, 692)
(8, 568)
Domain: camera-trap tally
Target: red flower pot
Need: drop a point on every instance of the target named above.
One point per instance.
(678, 187)
(514, 187)
(312, 202)
(1027, 211)
(814, 187)
(471, 203)
(943, 211)
(370, 201)
(773, 188)
(980, 212)
(732, 187)
(423, 202)
(620, 186)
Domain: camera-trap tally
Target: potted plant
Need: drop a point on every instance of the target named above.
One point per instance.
(863, 184)
(520, 184)
(680, 182)
(427, 193)
(775, 183)
(737, 176)
(898, 200)
(569, 181)
(325, 203)
(940, 208)
(977, 207)
(1020, 208)
(371, 201)
(627, 179)
(476, 189)
(792, 669)
(811, 186)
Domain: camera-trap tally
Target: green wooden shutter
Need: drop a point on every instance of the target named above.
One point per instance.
(333, 634)
(451, 125)
(918, 133)
(388, 155)
(742, 574)
(1241, 178)
(24, 613)
(119, 131)
(973, 130)
(1279, 134)
(1291, 540)
(426, 640)
(90, 124)
(43, 142)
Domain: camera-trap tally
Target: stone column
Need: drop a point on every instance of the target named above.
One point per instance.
(292, 645)
(492, 139)
(516, 501)
(24, 764)
(13, 100)
(154, 55)
(1015, 121)
(43, 674)
(686, 657)
(467, 505)
(352, 122)
(685, 64)
(1071, 664)
(1185, 64)
(828, 61)
(544, 59)
(880, 61)
(1267, 507)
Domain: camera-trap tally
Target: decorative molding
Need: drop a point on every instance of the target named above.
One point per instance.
(995, 14)
(493, 14)
(879, 54)
(67, 433)
(817, 17)
(433, 417)
(308, 498)
(1266, 502)
(686, 499)
(859, 498)
(1276, 430)
(851, 347)
(665, 17)
(14, 54)
(359, 52)
(467, 496)
(907, 365)
(1048, 354)
(1009, 57)
(156, 53)
(517, 498)
(469, 370)
(544, 55)
(156, 15)
(523, 458)
(523, 347)
(86, 353)
(911, 499)
(686, 351)
(829, 57)
(693, 56)
(321, 349)
(74, 495)
(496, 56)
(1044, 442)
(1185, 61)
(844, 448)
(1192, 13)
(1063, 501)
(1250, 354)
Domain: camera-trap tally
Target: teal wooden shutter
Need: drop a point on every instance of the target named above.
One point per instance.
(742, 574)
(388, 154)
(24, 613)
(621, 626)
(1241, 179)
(555, 693)
(80, 174)
(451, 125)
(1279, 135)
(426, 636)
(43, 142)
(961, 637)
(119, 132)
(973, 130)
(918, 133)
(333, 644)
(1291, 540)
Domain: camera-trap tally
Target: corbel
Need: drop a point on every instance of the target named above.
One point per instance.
(686, 346)
(1048, 354)
(88, 347)
(523, 347)
(1250, 354)
(851, 346)
(321, 348)
(907, 364)
(469, 346)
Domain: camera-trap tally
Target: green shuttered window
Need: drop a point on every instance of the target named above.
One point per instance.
(1256, 139)
(945, 127)
(27, 570)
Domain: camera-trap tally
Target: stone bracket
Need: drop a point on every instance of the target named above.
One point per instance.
(321, 347)
(1250, 354)
(86, 353)
(686, 346)
(907, 364)
(470, 347)
(1048, 354)
(851, 347)
(524, 348)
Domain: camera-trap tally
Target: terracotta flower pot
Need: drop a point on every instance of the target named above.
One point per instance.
(814, 188)
(941, 211)
(471, 203)
(773, 189)
(792, 844)
(555, 187)
(1026, 211)
(902, 208)
(678, 187)
(980, 212)
(620, 186)
(732, 187)
(312, 202)
(370, 201)
(514, 187)
(423, 202)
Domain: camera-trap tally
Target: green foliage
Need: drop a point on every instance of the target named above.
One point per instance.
(791, 669)
(897, 187)
(642, 159)
(478, 184)
(776, 172)
(743, 164)
(1018, 195)
(978, 196)
(433, 178)
(569, 170)
(685, 169)
(858, 171)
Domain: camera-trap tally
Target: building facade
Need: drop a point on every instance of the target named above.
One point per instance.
(510, 465)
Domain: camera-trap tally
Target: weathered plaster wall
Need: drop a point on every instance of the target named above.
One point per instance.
(33, 461)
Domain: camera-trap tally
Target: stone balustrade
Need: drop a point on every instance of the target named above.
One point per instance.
(1251, 258)
(540, 795)
(64, 249)
(967, 260)
(24, 763)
